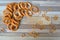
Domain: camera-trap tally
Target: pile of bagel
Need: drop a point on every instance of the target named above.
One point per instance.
(14, 13)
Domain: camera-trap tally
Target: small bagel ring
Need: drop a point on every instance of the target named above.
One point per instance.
(28, 5)
(7, 15)
(9, 26)
(9, 5)
(17, 16)
(22, 4)
(6, 11)
(15, 6)
(24, 12)
(29, 13)
(19, 7)
(6, 20)
(35, 9)
(19, 11)
(14, 28)
(14, 21)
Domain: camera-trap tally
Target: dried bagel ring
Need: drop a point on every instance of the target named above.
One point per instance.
(29, 13)
(6, 11)
(14, 28)
(19, 11)
(19, 7)
(22, 4)
(10, 9)
(17, 16)
(35, 9)
(9, 26)
(6, 20)
(28, 5)
(9, 5)
(24, 12)
(15, 22)
(15, 25)
(15, 7)
(7, 15)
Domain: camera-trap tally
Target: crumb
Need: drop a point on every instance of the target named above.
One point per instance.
(34, 34)
(43, 15)
(2, 29)
(49, 9)
(55, 17)
(45, 12)
(23, 35)
(42, 27)
(40, 22)
(47, 18)
(34, 26)
(52, 28)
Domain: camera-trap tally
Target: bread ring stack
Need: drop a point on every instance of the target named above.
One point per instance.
(14, 13)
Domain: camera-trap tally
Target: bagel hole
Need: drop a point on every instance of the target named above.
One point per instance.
(17, 14)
